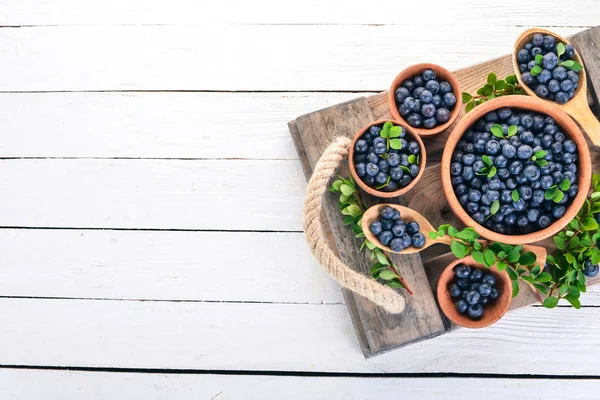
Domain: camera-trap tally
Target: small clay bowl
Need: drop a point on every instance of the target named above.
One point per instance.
(400, 191)
(443, 75)
(492, 312)
(569, 128)
(578, 106)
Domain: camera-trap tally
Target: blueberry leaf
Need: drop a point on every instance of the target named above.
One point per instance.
(489, 257)
(551, 302)
(412, 159)
(466, 97)
(550, 193)
(396, 144)
(572, 65)
(491, 78)
(512, 130)
(395, 131)
(527, 258)
(405, 168)
(499, 84)
(544, 277)
(458, 249)
(497, 131)
(385, 184)
(492, 172)
(513, 256)
(535, 71)
(470, 105)
(574, 300)
(515, 195)
(515, 288)
(538, 59)
(385, 131)
(477, 256)
(540, 154)
(590, 224)
(560, 49)
(558, 196)
(541, 163)
(565, 185)
(495, 207)
(387, 275)
(512, 79)
(486, 160)
(347, 190)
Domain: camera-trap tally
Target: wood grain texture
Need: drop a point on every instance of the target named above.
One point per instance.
(383, 331)
(75, 385)
(588, 46)
(320, 58)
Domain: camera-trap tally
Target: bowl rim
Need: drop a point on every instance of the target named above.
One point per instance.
(570, 129)
(527, 35)
(452, 314)
(400, 191)
(412, 71)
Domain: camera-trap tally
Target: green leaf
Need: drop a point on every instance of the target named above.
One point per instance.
(395, 131)
(512, 79)
(536, 70)
(337, 184)
(560, 49)
(491, 78)
(470, 105)
(515, 288)
(538, 59)
(492, 172)
(551, 302)
(512, 130)
(513, 256)
(515, 195)
(535, 270)
(570, 257)
(478, 256)
(412, 159)
(513, 275)
(541, 287)
(382, 258)
(541, 163)
(395, 284)
(347, 190)
(485, 90)
(486, 160)
(466, 97)
(495, 207)
(589, 224)
(352, 210)
(466, 234)
(387, 275)
(550, 193)
(396, 144)
(574, 300)
(499, 85)
(370, 245)
(565, 185)
(501, 266)
(405, 168)
(385, 131)
(544, 277)
(572, 65)
(527, 258)
(489, 257)
(540, 154)
(458, 249)
(385, 184)
(558, 196)
(497, 131)
(433, 235)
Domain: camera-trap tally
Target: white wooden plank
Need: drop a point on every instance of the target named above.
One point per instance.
(458, 12)
(154, 194)
(65, 385)
(263, 57)
(196, 266)
(288, 337)
(155, 125)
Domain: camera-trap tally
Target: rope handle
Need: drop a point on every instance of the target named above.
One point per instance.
(383, 296)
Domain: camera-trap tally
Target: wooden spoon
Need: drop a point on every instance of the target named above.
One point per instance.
(411, 215)
(577, 107)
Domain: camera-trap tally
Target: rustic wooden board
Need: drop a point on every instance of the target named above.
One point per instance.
(377, 331)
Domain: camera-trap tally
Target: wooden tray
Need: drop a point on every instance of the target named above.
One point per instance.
(377, 330)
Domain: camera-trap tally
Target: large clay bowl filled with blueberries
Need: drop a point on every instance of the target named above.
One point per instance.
(387, 159)
(425, 97)
(516, 169)
(472, 295)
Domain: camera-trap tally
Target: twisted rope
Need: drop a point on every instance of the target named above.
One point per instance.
(379, 294)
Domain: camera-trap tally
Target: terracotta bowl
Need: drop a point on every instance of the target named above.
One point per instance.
(492, 312)
(443, 75)
(570, 130)
(401, 191)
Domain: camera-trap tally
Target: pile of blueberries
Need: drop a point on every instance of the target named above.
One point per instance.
(553, 82)
(391, 230)
(472, 290)
(375, 164)
(423, 101)
(517, 175)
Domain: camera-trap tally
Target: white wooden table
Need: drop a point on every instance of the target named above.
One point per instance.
(150, 199)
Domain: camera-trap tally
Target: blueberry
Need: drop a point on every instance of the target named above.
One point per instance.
(383, 166)
(523, 56)
(386, 224)
(590, 270)
(406, 240)
(492, 147)
(541, 90)
(381, 178)
(527, 137)
(559, 211)
(510, 219)
(455, 291)
(414, 148)
(372, 169)
(468, 173)
(418, 81)
(549, 43)
(433, 86)
(460, 189)
(426, 96)
(505, 198)
(500, 161)
(530, 65)
(533, 214)
(399, 229)
(527, 78)
(478, 217)
(489, 279)
(442, 115)
(462, 306)
(428, 110)
(408, 83)
(485, 289)
(524, 152)
(569, 51)
(414, 170)
(537, 40)
(436, 100)
(428, 75)
(385, 237)
(456, 169)
(414, 120)
(509, 151)
(396, 217)
(494, 184)
(554, 85)
(379, 148)
(519, 205)
(549, 61)
(396, 173)
(569, 146)
(418, 239)
(476, 275)
(573, 76)
(462, 271)
(397, 245)
(413, 227)
(375, 228)
(472, 297)
(522, 221)
(369, 180)
(472, 207)
(474, 195)
(401, 94)
(360, 169)
(474, 286)
(515, 167)
(445, 87)
(562, 97)
(403, 110)
(361, 146)
(410, 103)
(559, 73)
(544, 221)
(386, 212)
(566, 85)
(475, 311)
(429, 123)
(449, 99)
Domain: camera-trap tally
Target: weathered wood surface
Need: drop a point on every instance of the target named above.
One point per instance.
(381, 330)
(427, 196)
(588, 46)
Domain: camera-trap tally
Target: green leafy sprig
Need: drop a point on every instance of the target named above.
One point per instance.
(353, 209)
(556, 193)
(560, 50)
(576, 244)
(493, 88)
(498, 131)
(519, 264)
(391, 134)
(538, 158)
(489, 170)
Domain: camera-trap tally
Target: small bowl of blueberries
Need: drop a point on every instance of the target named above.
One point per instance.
(387, 159)
(425, 97)
(517, 169)
(472, 295)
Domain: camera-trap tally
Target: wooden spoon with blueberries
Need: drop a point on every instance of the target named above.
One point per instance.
(408, 231)
(548, 67)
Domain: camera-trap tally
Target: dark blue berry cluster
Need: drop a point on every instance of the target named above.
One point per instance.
(391, 230)
(423, 101)
(472, 290)
(514, 171)
(548, 67)
(386, 158)
(590, 269)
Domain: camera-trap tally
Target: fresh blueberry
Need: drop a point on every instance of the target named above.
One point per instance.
(527, 78)
(386, 212)
(401, 94)
(408, 83)
(360, 169)
(406, 240)
(475, 311)
(523, 56)
(524, 152)
(418, 239)
(413, 227)
(379, 148)
(414, 148)
(472, 297)
(549, 61)
(544, 221)
(537, 40)
(509, 151)
(562, 97)
(476, 275)
(386, 224)
(396, 173)
(462, 271)
(445, 87)
(381, 178)
(449, 99)
(372, 169)
(428, 75)
(589, 269)
(573, 76)
(433, 86)
(515, 167)
(414, 120)
(428, 110)
(397, 245)
(385, 237)
(485, 289)
(462, 306)
(456, 169)
(418, 81)
(399, 228)
(414, 170)
(442, 115)
(426, 96)
(455, 291)
(375, 228)
(541, 90)
(553, 85)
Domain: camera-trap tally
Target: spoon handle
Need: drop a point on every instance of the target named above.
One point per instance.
(580, 111)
